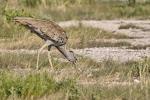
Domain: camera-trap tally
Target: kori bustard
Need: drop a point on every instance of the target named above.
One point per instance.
(51, 33)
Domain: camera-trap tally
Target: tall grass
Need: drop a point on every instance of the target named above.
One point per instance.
(33, 86)
(20, 38)
(42, 84)
(33, 3)
(75, 9)
(89, 37)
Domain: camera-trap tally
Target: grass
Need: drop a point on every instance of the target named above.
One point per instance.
(92, 33)
(42, 84)
(20, 38)
(98, 10)
(128, 26)
(17, 82)
(17, 87)
(138, 47)
(14, 86)
(10, 61)
(91, 44)
(14, 61)
(75, 9)
(88, 37)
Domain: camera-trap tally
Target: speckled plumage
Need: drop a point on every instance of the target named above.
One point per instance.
(52, 33)
(47, 30)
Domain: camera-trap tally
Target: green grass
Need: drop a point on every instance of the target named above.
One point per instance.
(10, 61)
(133, 92)
(13, 61)
(16, 82)
(33, 86)
(66, 10)
(42, 84)
(75, 9)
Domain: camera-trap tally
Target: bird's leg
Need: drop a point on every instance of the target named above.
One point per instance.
(78, 70)
(50, 59)
(39, 51)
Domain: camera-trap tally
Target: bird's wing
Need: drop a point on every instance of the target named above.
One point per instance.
(47, 29)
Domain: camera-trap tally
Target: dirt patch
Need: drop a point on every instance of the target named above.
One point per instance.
(114, 53)
(138, 30)
(114, 25)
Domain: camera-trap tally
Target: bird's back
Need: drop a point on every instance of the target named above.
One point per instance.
(47, 30)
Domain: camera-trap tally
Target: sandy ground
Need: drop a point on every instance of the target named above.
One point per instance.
(139, 31)
(98, 54)
(113, 53)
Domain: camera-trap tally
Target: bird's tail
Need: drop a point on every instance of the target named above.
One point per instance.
(22, 20)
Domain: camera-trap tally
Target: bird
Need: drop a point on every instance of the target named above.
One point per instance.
(51, 33)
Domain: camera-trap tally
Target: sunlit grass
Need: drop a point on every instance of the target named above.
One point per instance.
(42, 84)
(108, 67)
(14, 84)
(97, 11)
(32, 86)
(79, 10)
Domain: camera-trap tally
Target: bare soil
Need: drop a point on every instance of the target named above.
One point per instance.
(138, 30)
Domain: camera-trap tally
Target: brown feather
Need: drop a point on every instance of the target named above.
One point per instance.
(49, 29)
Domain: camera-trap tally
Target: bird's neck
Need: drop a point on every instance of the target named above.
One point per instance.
(63, 51)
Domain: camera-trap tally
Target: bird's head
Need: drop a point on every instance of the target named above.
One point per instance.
(71, 57)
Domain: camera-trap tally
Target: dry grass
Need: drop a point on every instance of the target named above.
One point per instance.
(104, 80)
(19, 83)
(68, 10)
(23, 39)
(138, 47)
(129, 25)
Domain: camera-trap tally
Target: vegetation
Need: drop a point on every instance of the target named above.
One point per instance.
(23, 39)
(104, 80)
(19, 83)
(139, 47)
(74, 9)
(92, 36)
(132, 2)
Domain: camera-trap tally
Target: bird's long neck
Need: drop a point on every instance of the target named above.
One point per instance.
(63, 51)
